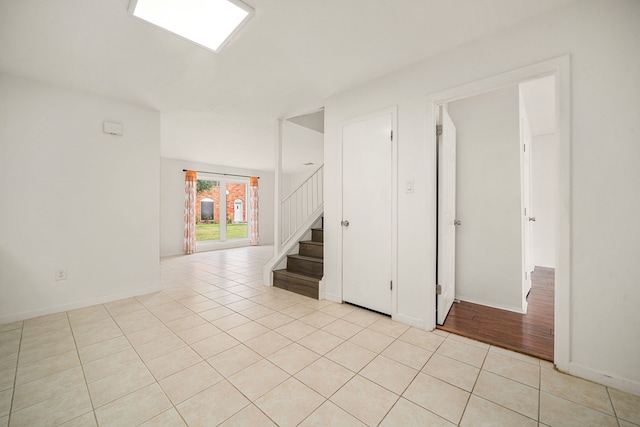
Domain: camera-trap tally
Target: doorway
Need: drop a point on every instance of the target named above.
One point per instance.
(495, 254)
(238, 212)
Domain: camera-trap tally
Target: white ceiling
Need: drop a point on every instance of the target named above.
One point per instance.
(220, 108)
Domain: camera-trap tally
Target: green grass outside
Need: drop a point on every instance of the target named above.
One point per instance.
(212, 231)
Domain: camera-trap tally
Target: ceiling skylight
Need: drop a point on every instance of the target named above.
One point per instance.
(208, 23)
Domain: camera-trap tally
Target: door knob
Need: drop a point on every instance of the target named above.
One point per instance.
(457, 222)
(345, 223)
(532, 218)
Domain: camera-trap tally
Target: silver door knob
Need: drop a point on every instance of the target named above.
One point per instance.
(457, 222)
(345, 223)
(532, 218)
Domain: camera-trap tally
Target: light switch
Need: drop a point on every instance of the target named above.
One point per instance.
(408, 187)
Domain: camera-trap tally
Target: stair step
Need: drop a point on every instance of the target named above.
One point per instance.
(305, 265)
(298, 283)
(317, 234)
(311, 249)
(312, 242)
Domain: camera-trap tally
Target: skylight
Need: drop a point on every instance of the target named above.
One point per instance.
(209, 23)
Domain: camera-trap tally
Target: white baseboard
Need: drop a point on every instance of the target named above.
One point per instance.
(332, 297)
(410, 320)
(490, 304)
(15, 317)
(321, 290)
(603, 378)
(216, 246)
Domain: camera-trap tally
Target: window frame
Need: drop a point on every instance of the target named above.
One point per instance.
(223, 242)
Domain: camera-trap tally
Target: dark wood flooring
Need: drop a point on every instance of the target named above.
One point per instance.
(530, 334)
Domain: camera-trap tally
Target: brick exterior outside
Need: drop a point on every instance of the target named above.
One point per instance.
(236, 191)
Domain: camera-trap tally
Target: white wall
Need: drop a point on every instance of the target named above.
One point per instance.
(291, 181)
(602, 38)
(545, 189)
(299, 145)
(172, 204)
(74, 198)
(488, 195)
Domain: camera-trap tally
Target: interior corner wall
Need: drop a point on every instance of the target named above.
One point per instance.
(544, 199)
(299, 145)
(172, 203)
(602, 39)
(488, 199)
(74, 198)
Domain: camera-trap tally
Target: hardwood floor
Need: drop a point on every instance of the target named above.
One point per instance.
(530, 334)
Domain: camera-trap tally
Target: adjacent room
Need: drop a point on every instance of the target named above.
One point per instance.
(504, 216)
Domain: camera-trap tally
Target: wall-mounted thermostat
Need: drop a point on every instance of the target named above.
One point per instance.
(112, 128)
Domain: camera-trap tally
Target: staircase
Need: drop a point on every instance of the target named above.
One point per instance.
(304, 270)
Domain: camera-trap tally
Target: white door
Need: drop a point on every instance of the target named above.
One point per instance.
(238, 211)
(446, 217)
(366, 213)
(527, 214)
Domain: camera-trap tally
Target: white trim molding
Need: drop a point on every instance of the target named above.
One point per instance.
(620, 383)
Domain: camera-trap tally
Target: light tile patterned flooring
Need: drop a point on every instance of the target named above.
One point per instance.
(217, 347)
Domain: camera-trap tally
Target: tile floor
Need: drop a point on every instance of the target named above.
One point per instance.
(217, 347)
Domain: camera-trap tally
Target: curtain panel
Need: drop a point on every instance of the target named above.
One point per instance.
(253, 204)
(190, 184)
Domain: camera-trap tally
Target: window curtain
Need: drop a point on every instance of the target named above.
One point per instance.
(190, 184)
(253, 203)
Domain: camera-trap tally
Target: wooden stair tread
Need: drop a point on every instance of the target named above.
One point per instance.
(297, 275)
(306, 258)
(305, 269)
(297, 283)
(312, 242)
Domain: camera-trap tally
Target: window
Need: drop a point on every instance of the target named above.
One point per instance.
(207, 210)
(221, 215)
(208, 23)
(236, 210)
(207, 207)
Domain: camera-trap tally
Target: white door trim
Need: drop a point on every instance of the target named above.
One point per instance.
(560, 68)
(393, 110)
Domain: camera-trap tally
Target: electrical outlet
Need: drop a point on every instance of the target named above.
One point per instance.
(61, 274)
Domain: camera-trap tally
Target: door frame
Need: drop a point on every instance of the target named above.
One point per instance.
(393, 110)
(560, 68)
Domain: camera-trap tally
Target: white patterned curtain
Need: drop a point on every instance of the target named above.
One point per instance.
(190, 184)
(253, 205)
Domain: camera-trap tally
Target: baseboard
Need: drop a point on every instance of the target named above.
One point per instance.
(76, 305)
(410, 320)
(321, 290)
(227, 244)
(489, 304)
(603, 378)
(332, 297)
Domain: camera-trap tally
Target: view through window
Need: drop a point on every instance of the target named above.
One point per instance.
(221, 215)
